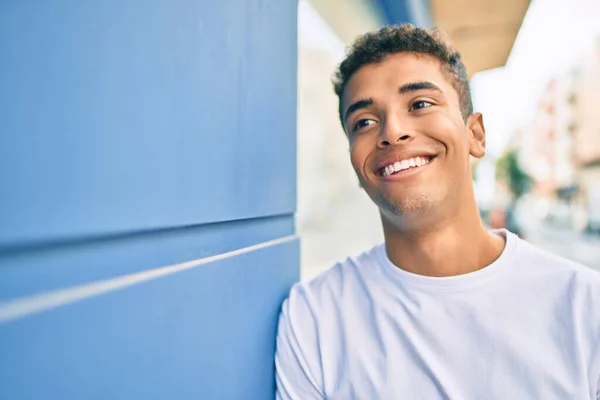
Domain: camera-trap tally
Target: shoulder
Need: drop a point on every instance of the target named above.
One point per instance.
(580, 283)
(310, 307)
(544, 262)
(331, 291)
(346, 277)
(574, 287)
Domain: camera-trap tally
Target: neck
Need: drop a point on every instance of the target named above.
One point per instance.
(450, 246)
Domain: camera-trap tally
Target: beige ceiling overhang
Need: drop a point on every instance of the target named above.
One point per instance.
(484, 31)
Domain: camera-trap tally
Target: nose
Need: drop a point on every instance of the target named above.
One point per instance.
(394, 131)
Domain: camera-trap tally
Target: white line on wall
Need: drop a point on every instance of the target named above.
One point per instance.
(19, 308)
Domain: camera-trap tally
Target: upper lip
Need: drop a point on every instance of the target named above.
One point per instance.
(399, 156)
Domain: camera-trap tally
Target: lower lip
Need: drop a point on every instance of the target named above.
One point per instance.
(407, 173)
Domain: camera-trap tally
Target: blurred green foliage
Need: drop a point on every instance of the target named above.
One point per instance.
(509, 170)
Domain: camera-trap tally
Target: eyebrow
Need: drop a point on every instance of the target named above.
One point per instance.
(357, 106)
(414, 86)
(406, 88)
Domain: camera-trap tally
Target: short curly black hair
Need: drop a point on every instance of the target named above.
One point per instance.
(373, 47)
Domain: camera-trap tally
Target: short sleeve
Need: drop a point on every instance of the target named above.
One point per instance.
(297, 360)
(598, 388)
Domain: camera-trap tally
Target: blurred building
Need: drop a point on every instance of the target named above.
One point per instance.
(546, 142)
(560, 146)
(586, 135)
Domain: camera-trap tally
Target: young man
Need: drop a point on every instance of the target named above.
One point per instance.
(445, 309)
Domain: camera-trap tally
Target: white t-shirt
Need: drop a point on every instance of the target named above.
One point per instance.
(525, 327)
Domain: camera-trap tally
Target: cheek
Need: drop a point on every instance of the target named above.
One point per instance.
(448, 132)
(357, 160)
(359, 157)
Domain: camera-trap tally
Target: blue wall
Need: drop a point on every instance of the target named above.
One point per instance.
(398, 11)
(147, 196)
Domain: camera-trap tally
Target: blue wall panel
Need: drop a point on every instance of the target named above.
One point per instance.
(398, 11)
(124, 116)
(182, 336)
(136, 135)
(26, 271)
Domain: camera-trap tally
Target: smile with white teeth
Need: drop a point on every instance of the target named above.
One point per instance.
(398, 166)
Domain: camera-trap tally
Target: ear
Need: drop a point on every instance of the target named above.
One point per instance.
(476, 132)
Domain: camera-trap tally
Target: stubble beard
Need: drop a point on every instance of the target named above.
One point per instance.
(413, 205)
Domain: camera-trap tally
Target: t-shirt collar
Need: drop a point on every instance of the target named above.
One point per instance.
(451, 282)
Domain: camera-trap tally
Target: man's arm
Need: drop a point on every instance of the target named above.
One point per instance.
(297, 361)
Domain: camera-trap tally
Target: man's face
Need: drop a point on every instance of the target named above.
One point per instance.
(409, 143)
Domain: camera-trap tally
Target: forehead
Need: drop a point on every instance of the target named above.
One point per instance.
(394, 71)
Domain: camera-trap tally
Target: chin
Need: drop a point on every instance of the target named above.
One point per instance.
(415, 204)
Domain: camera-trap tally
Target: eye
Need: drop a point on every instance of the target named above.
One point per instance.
(362, 123)
(417, 105)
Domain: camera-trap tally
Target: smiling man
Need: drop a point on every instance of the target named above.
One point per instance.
(444, 309)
